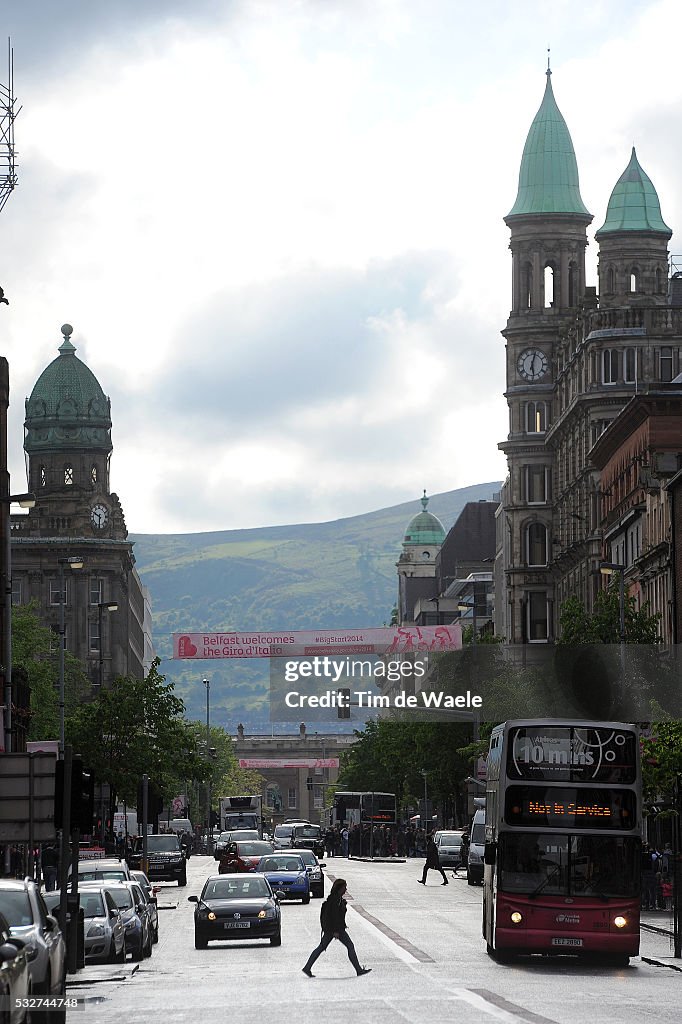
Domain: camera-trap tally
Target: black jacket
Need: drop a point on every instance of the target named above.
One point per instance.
(432, 855)
(336, 919)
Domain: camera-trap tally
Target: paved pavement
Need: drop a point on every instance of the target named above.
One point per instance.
(424, 945)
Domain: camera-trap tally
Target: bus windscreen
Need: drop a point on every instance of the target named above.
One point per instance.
(572, 754)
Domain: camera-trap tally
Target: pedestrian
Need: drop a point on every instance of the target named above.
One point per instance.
(344, 840)
(667, 892)
(648, 879)
(333, 924)
(432, 861)
(49, 862)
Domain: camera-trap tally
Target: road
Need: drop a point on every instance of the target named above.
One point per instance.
(425, 949)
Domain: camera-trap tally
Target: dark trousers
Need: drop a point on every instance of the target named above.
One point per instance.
(432, 867)
(327, 937)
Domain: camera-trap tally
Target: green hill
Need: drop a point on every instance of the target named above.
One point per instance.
(338, 575)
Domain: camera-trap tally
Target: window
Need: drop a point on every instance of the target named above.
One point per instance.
(631, 365)
(610, 366)
(666, 363)
(537, 625)
(536, 417)
(536, 544)
(93, 474)
(611, 279)
(549, 286)
(536, 484)
(68, 476)
(16, 591)
(527, 300)
(96, 590)
(634, 280)
(55, 592)
(572, 283)
(291, 797)
(95, 640)
(43, 476)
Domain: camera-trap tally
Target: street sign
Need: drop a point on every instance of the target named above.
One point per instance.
(27, 797)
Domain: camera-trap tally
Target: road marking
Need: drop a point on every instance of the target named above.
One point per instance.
(402, 948)
(498, 1007)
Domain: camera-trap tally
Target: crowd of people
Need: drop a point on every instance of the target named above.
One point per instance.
(374, 840)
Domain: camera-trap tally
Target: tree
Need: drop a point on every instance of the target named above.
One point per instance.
(578, 627)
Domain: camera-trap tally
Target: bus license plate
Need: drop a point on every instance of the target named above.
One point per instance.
(567, 942)
(237, 924)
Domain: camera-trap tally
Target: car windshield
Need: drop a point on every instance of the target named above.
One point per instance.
(122, 898)
(283, 831)
(16, 907)
(92, 904)
(97, 876)
(308, 832)
(281, 864)
(253, 849)
(224, 837)
(568, 865)
(235, 889)
(450, 839)
(162, 844)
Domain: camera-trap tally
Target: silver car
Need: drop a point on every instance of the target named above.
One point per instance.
(450, 848)
(105, 870)
(150, 892)
(130, 901)
(103, 925)
(24, 908)
(15, 978)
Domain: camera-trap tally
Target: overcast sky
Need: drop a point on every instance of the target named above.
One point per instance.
(276, 228)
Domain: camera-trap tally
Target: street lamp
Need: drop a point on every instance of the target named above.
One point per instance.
(209, 831)
(608, 569)
(74, 562)
(27, 500)
(424, 773)
(110, 606)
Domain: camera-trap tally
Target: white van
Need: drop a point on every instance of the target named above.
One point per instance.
(477, 844)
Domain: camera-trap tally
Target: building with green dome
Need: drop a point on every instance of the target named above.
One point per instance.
(67, 440)
(416, 566)
(575, 357)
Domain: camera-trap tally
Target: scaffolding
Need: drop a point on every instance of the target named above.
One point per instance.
(8, 114)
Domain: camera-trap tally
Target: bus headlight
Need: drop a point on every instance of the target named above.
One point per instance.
(620, 922)
(516, 917)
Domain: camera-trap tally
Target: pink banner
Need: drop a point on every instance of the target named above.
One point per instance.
(288, 762)
(301, 643)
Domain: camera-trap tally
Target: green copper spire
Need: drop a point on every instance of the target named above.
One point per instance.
(424, 529)
(634, 204)
(548, 179)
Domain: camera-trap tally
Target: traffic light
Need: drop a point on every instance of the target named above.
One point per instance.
(82, 796)
(343, 706)
(309, 783)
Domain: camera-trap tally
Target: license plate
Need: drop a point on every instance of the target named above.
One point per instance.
(567, 942)
(156, 860)
(237, 924)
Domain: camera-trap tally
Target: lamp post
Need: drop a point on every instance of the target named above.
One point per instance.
(608, 569)
(209, 831)
(424, 773)
(110, 606)
(24, 501)
(74, 562)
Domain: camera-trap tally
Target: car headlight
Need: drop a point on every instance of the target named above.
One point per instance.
(316, 874)
(132, 925)
(211, 915)
(620, 922)
(95, 929)
(267, 914)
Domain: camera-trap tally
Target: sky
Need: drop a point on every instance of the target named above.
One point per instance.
(277, 230)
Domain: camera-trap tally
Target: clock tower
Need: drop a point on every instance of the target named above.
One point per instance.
(548, 225)
(67, 440)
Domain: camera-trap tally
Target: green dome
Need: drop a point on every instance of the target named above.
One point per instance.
(424, 528)
(548, 179)
(634, 204)
(67, 408)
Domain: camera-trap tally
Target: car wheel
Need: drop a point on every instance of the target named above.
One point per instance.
(182, 880)
(148, 946)
(306, 899)
(138, 953)
(155, 934)
(199, 942)
(470, 880)
(276, 940)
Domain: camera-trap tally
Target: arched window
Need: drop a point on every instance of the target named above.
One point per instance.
(68, 475)
(610, 366)
(549, 286)
(573, 283)
(527, 286)
(93, 473)
(536, 417)
(43, 476)
(634, 280)
(536, 544)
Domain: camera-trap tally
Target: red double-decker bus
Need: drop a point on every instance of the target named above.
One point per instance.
(563, 840)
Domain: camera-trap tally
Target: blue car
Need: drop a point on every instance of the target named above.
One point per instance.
(287, 875)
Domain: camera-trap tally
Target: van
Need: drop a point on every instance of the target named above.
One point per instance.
(477, 844)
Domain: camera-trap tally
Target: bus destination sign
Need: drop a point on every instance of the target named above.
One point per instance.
(570, 807)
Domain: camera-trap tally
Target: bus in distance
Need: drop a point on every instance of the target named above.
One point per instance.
(563, 825)
(357, 808)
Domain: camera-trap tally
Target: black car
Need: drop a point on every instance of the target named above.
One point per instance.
(165, 856)
(236, 907)
(308, 837)
(314, 868)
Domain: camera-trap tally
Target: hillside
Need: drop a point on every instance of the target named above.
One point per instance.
(338, 574)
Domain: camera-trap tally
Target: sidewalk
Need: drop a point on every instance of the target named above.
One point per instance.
(657, 921)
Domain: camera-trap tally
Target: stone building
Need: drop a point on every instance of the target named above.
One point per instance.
(417, 563)
(68, 450)
(574, 359)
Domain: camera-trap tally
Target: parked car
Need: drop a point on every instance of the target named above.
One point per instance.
(243, 856)
(476, 848)
(308, 837)
(108, 869)
(166, 858)
(235, 836)
(133, 910)
(314, 868)
(287, 875)
(236, 907)
(15, 977)
(150, 891)
(450, 848)
(104, 931)
(24, 908)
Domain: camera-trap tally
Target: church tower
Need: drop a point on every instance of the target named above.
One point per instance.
(548, 225)
(416, 566)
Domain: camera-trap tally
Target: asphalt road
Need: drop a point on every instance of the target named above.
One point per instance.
(426, 952)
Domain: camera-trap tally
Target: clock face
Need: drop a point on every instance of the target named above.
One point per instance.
(532, 364)
(99, 516)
